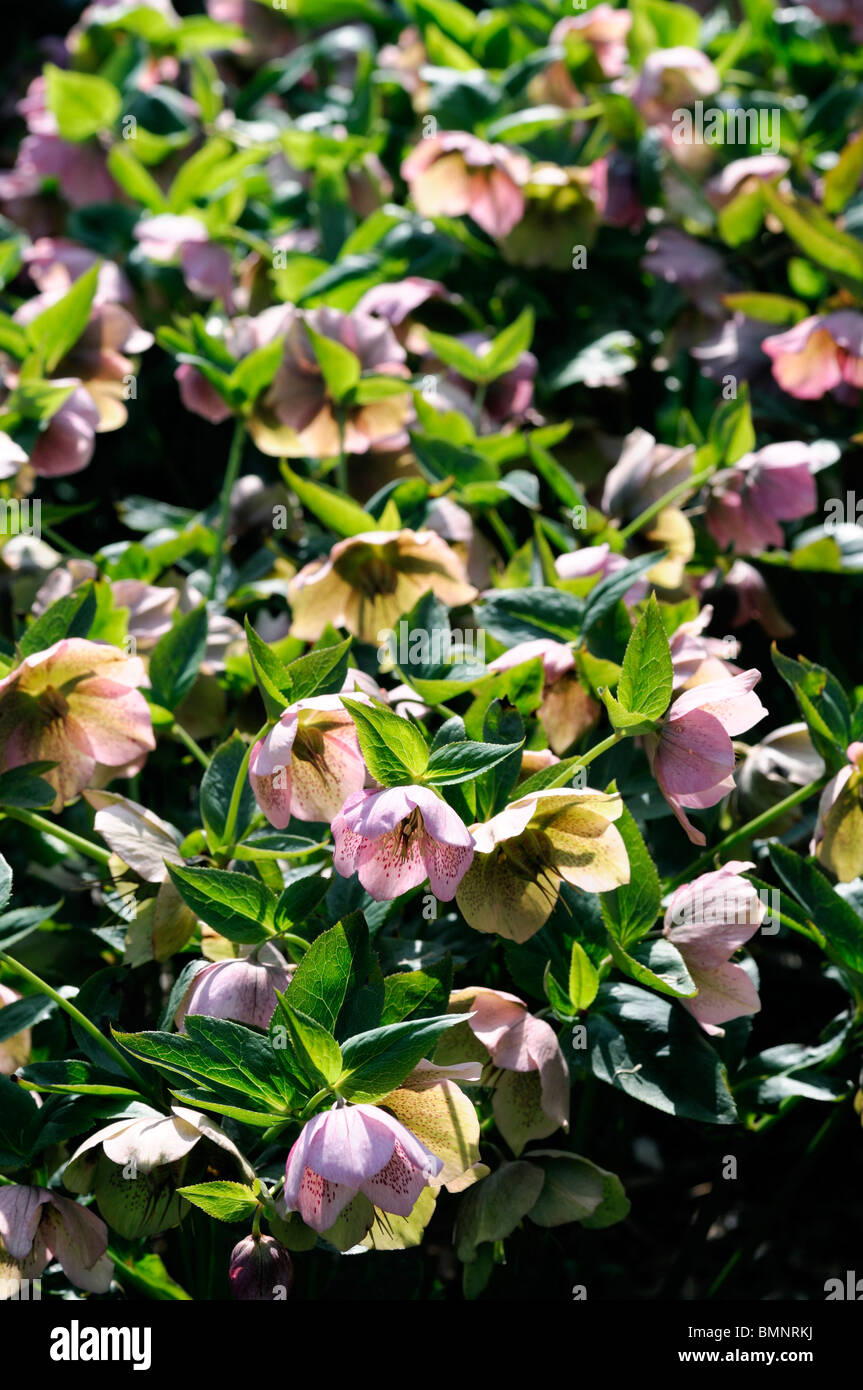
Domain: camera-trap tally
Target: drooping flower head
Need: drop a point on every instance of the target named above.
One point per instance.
(455, 173)
(396, 839)
(838, 836)
(672, 78)
(242, 989)
(369, 580)
(526, 851)
(308, 764)
(598, 561)
(748, 501)
(692, 755)
(644, 473)
(14, 1050)
(352, 1149)
(75, 704)
(38, 1226)
(708, 920)
(819, 354)
(524, 1062)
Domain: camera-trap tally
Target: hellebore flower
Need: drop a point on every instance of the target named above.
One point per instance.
(698, 270)
(397, 838)
(370, 580)
(819, 354)
(206, 266)
(838, 835)
(523, 1063)
(454, 173)
(67, 442)
(260, 1267)
(566, 710)
(749, 500)
(744, 176)
(755, 603)
(308, 764)
(644, 473)
(564, 206)
(526, 851)
(599, 561)
(691, 753)
(839, 12)
(135, 1165)
(14, 1051)
(605, 29)
(708, 920)
(242, 989)
(297, 417)
(782, 762)
(672, 78)
(697, 659)
(74, 704)
(38, 1226)
(351, 1149)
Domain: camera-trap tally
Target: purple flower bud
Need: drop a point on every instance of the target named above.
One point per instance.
(260, 1270)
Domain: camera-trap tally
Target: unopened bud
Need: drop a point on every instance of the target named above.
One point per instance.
(260, 1270)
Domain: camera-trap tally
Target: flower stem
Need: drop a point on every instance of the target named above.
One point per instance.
(186, 738)
(690, 485)
(236, 794)
(68, 1007)
(749, 830)
(598, 749)
(234, 457)
(36, 822)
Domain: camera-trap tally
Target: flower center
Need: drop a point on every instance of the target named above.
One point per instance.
(53, 705)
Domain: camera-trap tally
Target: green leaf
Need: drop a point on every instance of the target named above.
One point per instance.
(376, 1062)
(657, 964)
(330, 984)
(24, 1013)
(837, 252)
(271, 674)
(646, 678)
(631, 910)
(507, 348)
(316, 1050)
(236, 1060)
(457, 355)
(522, 615)
(176, 657)
(843, 180)
(769, 308)
(577, 1190)
(23, 787)
(83, 104)
(607, 593)
(5, 882)
(461, 762)
(417, 993)
(648, 1047)
(217, 786)
(583, 978)
(72, 1077)
(236, 905)
(339, 366)
(53, 332)
(833, 917)
(135, 179)
(71, 616)
(333, 509)
(226, 1201)
(393, 748)
(822, 703)
(319, 672)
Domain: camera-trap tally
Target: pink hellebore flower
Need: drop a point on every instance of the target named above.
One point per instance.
(206, 266)
(397, 838)
(305, 418)
(308, 764)
(672, 78)
(75, 704)
(755, 603)
(696, 659)
(644, 473)
(38, 1226)
(11, 456)
(370, 580)
(566, 710)
(199, 396)
(745, 176)
(55, 263)
(351, 1149)
(526, 851)
(599, 561)
(840, 12)
(748, 501)
(67, 442)
(605, 29)
(708, 920)
(682, 260)
(531, 1097)
(454, 173)
(691, 754)
(242, 989)
(820, 354)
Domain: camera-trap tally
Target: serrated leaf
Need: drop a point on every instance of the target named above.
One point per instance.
(235, 905)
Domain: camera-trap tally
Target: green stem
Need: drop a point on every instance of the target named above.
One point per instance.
(598, 749)
(36, 822)
(186, 739)
(501, 532)
(297, 943)
(236, 794)
(234, 457)
(81, 1019)
(748, 831)
(691, 485)
(65, 546)
(341, 461)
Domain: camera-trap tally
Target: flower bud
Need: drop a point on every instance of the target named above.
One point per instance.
(260, 1270)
